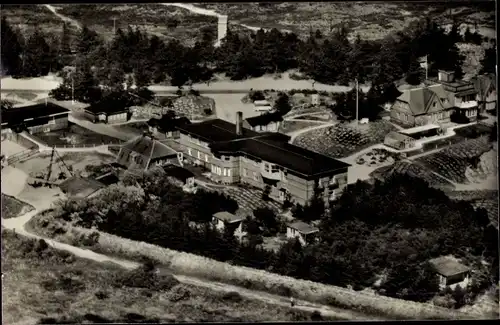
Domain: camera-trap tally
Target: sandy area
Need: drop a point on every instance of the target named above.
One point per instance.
(10, 148)
(226, 106)
(40, 84)
(13, 180)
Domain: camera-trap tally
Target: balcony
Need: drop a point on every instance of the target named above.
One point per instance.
(469, 104)
(274, 175)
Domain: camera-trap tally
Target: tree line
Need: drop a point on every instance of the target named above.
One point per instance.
(387, 231)
(134, 57)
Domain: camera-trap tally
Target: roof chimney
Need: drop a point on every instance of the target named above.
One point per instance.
(239, 123)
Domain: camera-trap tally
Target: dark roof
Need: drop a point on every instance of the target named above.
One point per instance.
(107, 107)
(419, 99)
(271, 147)
(108, 179)
(282, 153)
(168, 124)
(216, 130)
(447, 266)
(264, 119)
(178, 172)
(302, 227)
(31, 112)
(80, 187)
(227, 217)
(149, 147)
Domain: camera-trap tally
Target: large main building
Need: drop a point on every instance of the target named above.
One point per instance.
(236, 154)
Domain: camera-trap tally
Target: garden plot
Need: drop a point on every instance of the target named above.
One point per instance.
(75, 135)
(452, 162)
(249, 199)
(194, 107)
(342, 140)
(413, 170)
(377, 157)
(76, 161)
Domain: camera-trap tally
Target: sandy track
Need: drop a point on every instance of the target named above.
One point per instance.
(13, 180)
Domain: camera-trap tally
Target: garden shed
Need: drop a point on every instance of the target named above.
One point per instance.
(450, 272)
(399, 141)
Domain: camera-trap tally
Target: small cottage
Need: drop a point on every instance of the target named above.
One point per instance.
(399, 141)
(224, 219)
(301, 230)
(108, 110)
(267, 122)
(145, 152)
(450, 272)
(183, 175)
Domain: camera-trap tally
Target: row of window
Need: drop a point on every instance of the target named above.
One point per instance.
(470, 113)
(197, 142)
(221, 171)
(199, 155)
(271, 168)
(255, 175)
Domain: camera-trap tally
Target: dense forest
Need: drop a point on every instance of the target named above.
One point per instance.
(135, 58)
(388, 231)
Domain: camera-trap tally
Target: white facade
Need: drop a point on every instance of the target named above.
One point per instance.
(221, 225)
(294, 233)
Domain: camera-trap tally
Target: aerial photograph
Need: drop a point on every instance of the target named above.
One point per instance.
(249, 162)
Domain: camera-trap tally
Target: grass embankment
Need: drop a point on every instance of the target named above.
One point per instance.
(190, 264)
(44, 285)
(12, 207)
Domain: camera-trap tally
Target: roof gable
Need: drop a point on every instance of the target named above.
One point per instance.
(149, 148)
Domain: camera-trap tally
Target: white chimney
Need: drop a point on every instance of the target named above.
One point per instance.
(221, 29)
(239, 123)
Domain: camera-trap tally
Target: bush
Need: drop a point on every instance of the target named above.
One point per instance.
(179, 293)
(232, 296)
(143, 277)
(256, 95)
(316, 316)
(194, 92)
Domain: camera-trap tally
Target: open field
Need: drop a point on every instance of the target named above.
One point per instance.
(452, 162)
(10, 148)
(45, 285)
(369, 20)
(341, 140)
(38, 165)
(12, 207)
(75, 135)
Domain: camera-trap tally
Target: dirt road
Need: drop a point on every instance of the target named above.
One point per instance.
(19, 225)
(295, 134)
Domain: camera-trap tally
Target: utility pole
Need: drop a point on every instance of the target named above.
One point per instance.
(357, 105)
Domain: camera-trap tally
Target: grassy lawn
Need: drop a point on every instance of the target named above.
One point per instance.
(43, 285)
(12, 207)
(75, 135)
(291, 126)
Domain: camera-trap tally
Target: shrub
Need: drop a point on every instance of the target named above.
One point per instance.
(194, 92)
(143, 277)
(179, 293)
(256, 95)
(101, 295)
(316, 316)
(232, 296)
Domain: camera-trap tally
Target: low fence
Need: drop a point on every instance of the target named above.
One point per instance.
(23, 155)
(76, 146)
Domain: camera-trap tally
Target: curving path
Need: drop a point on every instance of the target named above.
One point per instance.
(63, 18)
(18, 225)
(295, 134)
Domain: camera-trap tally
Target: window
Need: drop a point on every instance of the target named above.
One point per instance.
(206, 157)
(434, 104)
(274, 169)
(266, 167)
(245, 172)
(53, 121)
(227, 158)
(199, 155)
(228, 172)
(255, 177)
(406, 117)
(189, 152)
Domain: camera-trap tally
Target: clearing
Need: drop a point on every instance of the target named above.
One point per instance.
(38, 165)
(42, 284)
(74, 136)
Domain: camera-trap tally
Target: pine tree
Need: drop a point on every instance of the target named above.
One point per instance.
(489, 61)
(414, 75)
(38, 56)
(11, 49)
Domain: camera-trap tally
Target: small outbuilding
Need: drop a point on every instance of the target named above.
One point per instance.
(303, 231)
(450, 272)
(108, 111)
(145, 152)
(399, 141)
(181, 174)
(224, 219)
